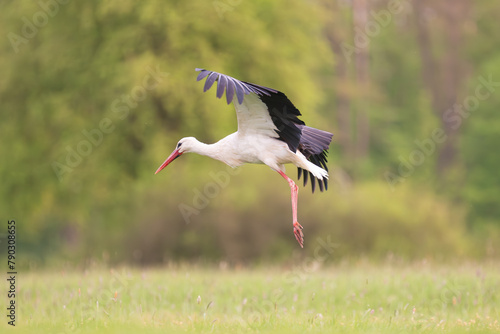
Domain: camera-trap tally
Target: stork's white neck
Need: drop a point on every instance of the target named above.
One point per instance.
(223, 150)
(203, 149)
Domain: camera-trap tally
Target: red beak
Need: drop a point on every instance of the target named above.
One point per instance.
(175, 154)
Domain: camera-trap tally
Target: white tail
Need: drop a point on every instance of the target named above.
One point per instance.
(317, 171)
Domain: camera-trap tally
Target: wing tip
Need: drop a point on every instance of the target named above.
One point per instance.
(241, 88)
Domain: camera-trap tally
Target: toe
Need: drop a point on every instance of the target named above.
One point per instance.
(299, 236)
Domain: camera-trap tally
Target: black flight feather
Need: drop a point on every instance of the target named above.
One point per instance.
(314, 146)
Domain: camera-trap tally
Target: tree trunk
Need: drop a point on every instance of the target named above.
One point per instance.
(361, 61)
(443, 78)
(343, 102)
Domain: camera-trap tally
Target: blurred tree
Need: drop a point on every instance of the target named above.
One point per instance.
(361, 61)
(95, 94)
(443, 66)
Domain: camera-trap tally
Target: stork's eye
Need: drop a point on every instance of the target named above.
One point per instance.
(179, 145)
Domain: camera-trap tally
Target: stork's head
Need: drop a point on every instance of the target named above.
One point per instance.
(184, 145)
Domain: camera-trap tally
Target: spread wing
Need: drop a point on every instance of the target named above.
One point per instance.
(258, 108)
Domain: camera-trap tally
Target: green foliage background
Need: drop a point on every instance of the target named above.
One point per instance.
(76, 69)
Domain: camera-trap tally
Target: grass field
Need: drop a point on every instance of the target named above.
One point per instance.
(348, 298)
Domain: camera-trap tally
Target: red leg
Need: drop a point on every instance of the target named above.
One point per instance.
(297, 228)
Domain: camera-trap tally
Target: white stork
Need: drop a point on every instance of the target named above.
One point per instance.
(269, 132)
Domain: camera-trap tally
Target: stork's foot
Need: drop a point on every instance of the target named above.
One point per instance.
(297, 230)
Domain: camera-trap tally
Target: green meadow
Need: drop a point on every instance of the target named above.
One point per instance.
(346, 298)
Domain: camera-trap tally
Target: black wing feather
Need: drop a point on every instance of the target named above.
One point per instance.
(221, 85)
(230, 91)
(285, 117)
(239, 87)
(210, 81)
(314, 146)
(202, 75)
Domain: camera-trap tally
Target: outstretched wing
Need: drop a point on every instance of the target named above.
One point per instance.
(314, 146)
(258, 108)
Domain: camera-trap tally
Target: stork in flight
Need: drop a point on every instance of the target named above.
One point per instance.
(269, 132)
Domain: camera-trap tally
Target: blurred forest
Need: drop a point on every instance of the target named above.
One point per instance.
(95, 94)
